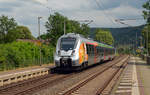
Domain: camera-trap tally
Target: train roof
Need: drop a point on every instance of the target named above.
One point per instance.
(88, 40)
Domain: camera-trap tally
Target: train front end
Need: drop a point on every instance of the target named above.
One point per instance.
(66, 56)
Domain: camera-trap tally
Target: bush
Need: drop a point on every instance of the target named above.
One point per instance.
(23, 54)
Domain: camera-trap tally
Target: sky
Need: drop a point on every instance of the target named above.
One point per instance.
(104, 13)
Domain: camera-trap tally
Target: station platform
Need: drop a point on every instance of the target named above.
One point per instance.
(12, 76)
(135, 79)
(143, 72)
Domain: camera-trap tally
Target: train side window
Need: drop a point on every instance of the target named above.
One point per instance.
(87, 48)
(95, 51)
(105, 51)
(97, 48)
(101, 49)
(91, 49)
(110, 51)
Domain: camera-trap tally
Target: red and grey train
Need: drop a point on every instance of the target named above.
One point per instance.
(74, 51)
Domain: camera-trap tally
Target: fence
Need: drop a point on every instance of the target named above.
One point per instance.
(9, 65)
(146, 58)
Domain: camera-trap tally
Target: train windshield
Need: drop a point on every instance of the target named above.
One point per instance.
(67, 43)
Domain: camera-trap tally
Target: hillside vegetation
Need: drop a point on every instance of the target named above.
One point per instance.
(123, 36)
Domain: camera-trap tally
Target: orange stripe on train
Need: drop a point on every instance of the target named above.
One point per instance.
(82, 54)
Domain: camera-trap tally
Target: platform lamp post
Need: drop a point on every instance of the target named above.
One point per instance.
(39, 38)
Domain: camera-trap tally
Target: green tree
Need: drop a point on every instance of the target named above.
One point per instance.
(145, 34)
(145, 31)
(6, 24)
(104, 36)
(24, 32)
(23, 54)
(20, 32)
(146, 13)
(43, 36)
(55, 27)
(76, 27)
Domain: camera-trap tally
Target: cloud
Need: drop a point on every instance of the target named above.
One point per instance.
(125, 11)
(5, 9)
(26, 11)
(71, 5)
(106, 18)
(41, 1)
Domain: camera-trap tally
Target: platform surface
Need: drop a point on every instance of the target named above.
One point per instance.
(135, 79)
(143, 72)
(21, 70)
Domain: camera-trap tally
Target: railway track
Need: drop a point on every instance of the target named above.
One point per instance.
(73, 89)
(107, 88)
(23, 83)
(33, 85)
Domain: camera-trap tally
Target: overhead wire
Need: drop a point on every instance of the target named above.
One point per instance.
(117, 20)
(100, 5)
(131, 19)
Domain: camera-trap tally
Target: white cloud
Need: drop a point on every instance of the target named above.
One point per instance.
(42, 1)
(106, 18)
(29, 10)
(125, 10)
(73, 5)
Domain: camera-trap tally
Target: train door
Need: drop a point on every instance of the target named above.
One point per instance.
(95, 55)
(104, 53)
(86, 55)
(81, 53)
(83, 57)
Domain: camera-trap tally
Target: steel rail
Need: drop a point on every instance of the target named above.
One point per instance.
(70, 91)
(100, 91)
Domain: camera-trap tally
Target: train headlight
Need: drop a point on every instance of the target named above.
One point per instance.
(59, 52)
(73, 52)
